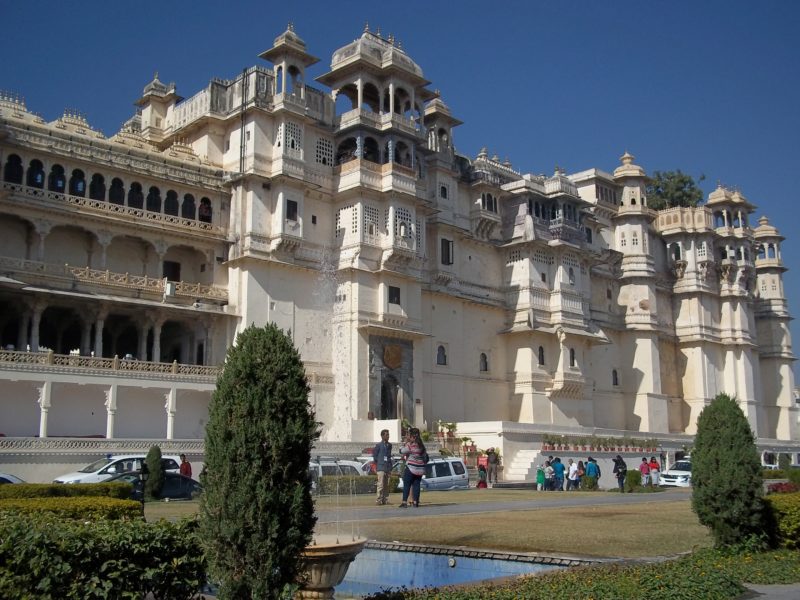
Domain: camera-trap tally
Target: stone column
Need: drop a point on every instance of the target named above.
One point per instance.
(391, 97)
(144, 329)
(111, 410)
(360, 87)
(104, 240)
(42, 228)
(36, 319)
(22, 332)
(98, 333)
(171, 406)
(86, 336)
(157, 340)
(44, 407)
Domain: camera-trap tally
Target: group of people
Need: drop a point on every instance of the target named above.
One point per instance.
(415, 456)
(553, 474)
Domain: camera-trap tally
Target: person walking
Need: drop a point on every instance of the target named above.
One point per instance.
(620, 471)
(492, 461)
(558, 476)
(549, 476)
(540, 478)
(382, 455)
(581, 472)
(655, 471)
(592, 470)
(416, 457)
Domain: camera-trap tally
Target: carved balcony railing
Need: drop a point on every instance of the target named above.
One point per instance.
(24, 269)
(109, 209)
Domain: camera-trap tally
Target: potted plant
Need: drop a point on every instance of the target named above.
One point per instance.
(451, 429)
(547, 442)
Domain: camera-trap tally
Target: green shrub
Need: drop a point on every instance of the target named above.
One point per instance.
(120, 490)
(257, 513)
(345, 485)
(78, 507)
(155, 470)
(785, 509)
(784, 462)
(45, 557)
(772, 474)
(633, 480)
(794, 476)
(731, 507)
(589, 483)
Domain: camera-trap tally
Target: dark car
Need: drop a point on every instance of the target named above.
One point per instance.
(176, 487)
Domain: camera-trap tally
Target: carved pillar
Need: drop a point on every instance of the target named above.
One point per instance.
(157, 340)
(360, 87)
(391, 98)
(104, 240)
(144, 329)
(86, 335)
(161, 248)
(171, 406)
(42, 229)
(44, 407)
(98, 332)
(111, 410)
(36, 319)
(22, 331)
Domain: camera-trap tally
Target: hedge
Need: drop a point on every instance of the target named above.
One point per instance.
(120, 490)
(786, 512)
(345, 485)
(46, 557)
(80, 507)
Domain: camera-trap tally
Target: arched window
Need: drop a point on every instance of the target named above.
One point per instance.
(204, 212)
(614, 378)
(116, 193)
(443, 192)
(572, 357)
(771, 251)
(719, 219)
(676, 252)
(35, 176)
(622, 241)
(188, 208)
(589, 235)
(635, 239)
(77, 183)
(13, 169)
(441, 356)
(57, 181)
(135, 195)
(97, 187)
(154, 199)
(541, 356)
(171, 203)
(571, 276)
(483, 363)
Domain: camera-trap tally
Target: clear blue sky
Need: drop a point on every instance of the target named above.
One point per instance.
(709, 87)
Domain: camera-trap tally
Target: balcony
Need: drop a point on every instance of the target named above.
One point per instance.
(567, 230)
(483, 222)
(71, 277)
(90, 365)
(567, 384)
(109, 210)
(359, 172)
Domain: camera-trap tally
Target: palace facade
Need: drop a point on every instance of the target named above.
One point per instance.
(418, 284)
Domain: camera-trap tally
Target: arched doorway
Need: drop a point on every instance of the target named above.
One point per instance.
(389, 389)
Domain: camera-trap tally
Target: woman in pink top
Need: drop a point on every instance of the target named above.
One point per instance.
(416, 457)
(644, 469)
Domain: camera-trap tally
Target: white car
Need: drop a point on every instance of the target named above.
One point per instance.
(444, 474)
(108, 467)
(678, 475)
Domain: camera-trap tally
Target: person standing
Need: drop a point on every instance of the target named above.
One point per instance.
(572, 475)
(416, 457)
(581, 472)
(655, 471)
(382, 455)
(620, 471)
(549, 476)
(186, 467)
(540, 478)
(558, 476)
(644, 469)
(492, 460)
(592, 470)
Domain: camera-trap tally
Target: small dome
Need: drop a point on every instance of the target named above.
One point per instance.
(628, 169)
(765, 230)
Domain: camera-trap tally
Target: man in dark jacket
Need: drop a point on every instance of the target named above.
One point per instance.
(620, 470)
(382, 455)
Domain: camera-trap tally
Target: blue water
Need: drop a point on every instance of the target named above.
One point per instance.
(374, 570)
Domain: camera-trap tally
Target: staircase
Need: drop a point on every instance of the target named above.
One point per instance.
(522, 466)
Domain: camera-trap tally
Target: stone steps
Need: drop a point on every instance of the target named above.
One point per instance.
(522, 466)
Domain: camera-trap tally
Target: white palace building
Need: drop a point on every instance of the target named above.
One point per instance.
(418, 284)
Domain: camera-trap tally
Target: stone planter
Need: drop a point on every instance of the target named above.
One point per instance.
(326, 562)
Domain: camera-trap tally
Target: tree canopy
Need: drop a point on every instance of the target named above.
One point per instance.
(257, 513)
(667, 189)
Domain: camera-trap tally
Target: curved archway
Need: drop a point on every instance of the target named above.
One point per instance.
(389, 388)
(12, 172)
(35, 176)
(57, 180)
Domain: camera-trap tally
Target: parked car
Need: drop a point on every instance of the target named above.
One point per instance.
(331, 467)
(176, 486)
(8, 478)
(106, 468)
(368, 464)
(678, 475)
(444, 474)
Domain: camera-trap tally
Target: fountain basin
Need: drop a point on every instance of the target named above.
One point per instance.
(326, 561)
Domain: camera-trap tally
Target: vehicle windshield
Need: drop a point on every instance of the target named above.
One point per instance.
(95, 466)
(681, 466)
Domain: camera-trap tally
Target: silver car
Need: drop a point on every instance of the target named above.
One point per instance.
(444, 474)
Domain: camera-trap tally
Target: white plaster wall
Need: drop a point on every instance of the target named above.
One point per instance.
(19, 409)
(76, 410)
(68, 245)
(13, 237)
(126, 255)
(191, 414)
(141, 413)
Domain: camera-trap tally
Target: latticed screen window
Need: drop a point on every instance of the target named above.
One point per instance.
(701, 250)
(293, 140)
(542, 257)
(635, 239)
(514, 256)
(419, 236)
(402, 222)
(342, 216)
(371, 220)
(324, 152)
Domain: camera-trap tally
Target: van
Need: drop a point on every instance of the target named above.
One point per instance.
(108, 467)
(447, 473)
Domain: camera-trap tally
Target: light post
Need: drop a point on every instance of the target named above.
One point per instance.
(144, 475)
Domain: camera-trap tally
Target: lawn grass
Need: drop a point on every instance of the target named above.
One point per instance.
(623, 531)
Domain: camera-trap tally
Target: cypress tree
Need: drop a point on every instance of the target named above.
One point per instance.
(257, 513)
(156, 477)
(726, 473)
